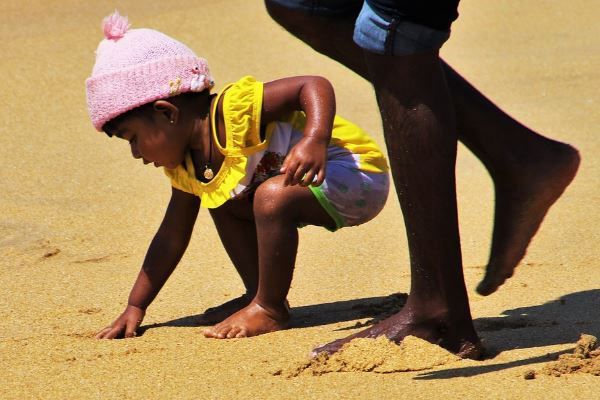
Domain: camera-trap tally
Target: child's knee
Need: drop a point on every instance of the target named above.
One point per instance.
(272, 199)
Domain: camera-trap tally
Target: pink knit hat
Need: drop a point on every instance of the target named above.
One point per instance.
(135, 67)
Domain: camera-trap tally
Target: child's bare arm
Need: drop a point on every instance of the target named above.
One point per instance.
(315, 96)
(165, 251)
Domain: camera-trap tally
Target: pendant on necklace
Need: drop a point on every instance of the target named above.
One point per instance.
(208, 173)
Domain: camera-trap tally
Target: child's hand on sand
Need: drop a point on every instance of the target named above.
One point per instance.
(124, 326)
(305, 164)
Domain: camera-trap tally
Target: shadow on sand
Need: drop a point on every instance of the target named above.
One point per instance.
(559, 321)
(375, 308)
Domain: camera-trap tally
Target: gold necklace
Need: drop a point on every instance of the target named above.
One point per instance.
(208, 172)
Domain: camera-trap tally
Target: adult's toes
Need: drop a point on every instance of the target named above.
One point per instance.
(488, 286)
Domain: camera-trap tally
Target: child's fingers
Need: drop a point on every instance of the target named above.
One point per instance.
(132, 327)
(103, 332)
(320, 178)
(285, 166)
(110, 332)
(299, 175)
(308, 178)
(130, 331)
(290, 175)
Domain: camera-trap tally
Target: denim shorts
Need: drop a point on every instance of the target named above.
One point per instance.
(376, 31)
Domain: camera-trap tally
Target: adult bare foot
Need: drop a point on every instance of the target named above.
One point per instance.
(457, 336)
(521, 205)
(253, 320)
(217, 314)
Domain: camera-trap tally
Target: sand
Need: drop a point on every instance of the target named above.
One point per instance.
(585, 358)
(78, 213)
(378, 355)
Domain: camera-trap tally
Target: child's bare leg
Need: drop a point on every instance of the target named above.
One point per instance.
(530, 172)
(277, 209)
(235, 224)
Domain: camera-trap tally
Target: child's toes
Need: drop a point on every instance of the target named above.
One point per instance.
(233, 332)
(222, 334)
(209, 332)
(242, 333)
(217, 332)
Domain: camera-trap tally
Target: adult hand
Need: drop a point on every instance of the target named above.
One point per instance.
(125, 325)
(305, 164)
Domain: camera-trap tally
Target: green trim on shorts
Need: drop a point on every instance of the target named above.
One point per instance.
(333, 213)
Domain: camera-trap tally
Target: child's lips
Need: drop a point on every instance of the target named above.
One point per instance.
(146, 162)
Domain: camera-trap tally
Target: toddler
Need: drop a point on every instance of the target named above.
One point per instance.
(264, 158)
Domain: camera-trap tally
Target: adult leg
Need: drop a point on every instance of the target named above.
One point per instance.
(235, 224)
(529, 171)
(420, 133)
(278, 210)
(419, 128)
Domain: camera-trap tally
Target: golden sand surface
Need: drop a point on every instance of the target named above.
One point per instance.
(77, 214)
(585, 358)
(378, 355)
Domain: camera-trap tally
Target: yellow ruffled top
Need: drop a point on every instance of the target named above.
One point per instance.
(242, 108)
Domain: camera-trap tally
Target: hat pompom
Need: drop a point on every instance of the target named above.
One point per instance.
(115, 26)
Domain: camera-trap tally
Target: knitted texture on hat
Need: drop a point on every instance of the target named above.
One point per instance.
(135, 67)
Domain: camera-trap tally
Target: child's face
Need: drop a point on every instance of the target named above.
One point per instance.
(153, 141)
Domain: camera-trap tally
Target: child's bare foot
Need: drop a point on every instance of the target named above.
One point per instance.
(217, 314)
(456, 335)
(253, 320)
(521, 205)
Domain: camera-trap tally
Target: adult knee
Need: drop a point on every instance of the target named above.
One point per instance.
(280, 14)
(300, 24)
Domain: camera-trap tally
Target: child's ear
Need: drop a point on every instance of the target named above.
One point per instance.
(166, 110)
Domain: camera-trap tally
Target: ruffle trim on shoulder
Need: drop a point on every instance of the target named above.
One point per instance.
(221, 188)
(242, 108)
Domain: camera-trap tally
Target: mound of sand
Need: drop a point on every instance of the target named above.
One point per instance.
(584, 359)
(379, 355)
